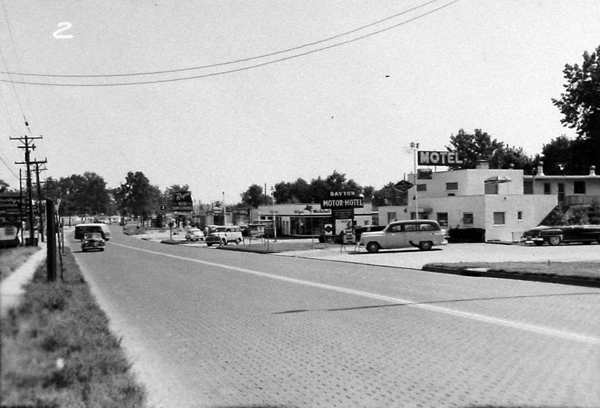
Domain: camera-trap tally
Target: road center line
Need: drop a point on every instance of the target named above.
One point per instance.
(467, 315)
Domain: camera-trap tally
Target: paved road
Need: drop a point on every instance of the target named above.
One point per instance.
(210, 328)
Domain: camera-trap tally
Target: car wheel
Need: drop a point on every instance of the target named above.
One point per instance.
(372, 247)
(223, 242)
(425, 245)
(554, 240)
(238, 241)
(208, 244)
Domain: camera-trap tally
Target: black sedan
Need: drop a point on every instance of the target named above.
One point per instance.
(92, 241)
(566, 233)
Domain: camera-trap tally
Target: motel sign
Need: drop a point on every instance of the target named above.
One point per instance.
(433, 158)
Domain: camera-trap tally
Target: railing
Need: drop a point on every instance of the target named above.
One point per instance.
(580, 199)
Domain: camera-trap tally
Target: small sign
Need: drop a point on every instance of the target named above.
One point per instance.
(403, 185)
(162, 208)
(182, 201)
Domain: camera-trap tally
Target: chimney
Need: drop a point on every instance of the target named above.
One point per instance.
(592, 170)
(540, 169)
(482, 165)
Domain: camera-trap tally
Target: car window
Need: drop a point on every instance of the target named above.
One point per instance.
(396, 228)
(410, 227)
(428, 227)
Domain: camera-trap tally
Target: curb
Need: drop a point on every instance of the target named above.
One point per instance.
(487, 273)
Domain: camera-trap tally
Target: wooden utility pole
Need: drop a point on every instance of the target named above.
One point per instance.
(28, 146)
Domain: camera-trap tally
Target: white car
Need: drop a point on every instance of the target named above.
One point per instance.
(194, 234)
(423, 234)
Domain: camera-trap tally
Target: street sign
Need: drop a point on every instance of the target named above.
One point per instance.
(403, 185)
(162, 208)
(182, 201)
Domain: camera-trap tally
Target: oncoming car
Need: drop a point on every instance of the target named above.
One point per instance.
(92, 240)
(565, 233)
(222, 235)
(423, 234)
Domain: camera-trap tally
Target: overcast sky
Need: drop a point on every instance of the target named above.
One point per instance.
(295, 88)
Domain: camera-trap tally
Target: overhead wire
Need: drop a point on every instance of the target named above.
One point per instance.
(234, 70)
(233, 61)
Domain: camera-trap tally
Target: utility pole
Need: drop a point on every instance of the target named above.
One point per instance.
(28, 146)
(39, 194)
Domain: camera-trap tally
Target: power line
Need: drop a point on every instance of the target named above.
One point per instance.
(228, 62)
(242, 68)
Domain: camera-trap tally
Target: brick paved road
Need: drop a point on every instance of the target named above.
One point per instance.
(209, 328)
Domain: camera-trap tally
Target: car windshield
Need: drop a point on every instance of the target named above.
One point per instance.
(92, 235)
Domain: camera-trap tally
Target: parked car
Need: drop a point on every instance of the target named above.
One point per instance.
(565, 233)
(92, 240)
(194, 234)
(222, 235)
(423, 234)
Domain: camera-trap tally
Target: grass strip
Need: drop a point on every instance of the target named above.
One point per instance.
(582, 269)
(57, 349)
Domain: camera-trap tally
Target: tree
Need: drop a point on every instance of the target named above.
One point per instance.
(137, 196)
(4, 186)
(481, 146)
(473, 147)
(580, 105)
(253, 197)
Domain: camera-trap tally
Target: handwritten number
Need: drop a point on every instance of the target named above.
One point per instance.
(64, 26)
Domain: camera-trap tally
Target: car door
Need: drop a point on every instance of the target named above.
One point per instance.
(395, 236)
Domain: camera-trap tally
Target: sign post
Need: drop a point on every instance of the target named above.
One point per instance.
(342, 204)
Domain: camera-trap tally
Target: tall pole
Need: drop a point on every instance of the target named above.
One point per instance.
(415, 146)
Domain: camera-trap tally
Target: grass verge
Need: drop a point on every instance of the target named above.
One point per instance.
(586, 270)
(12, 258)
(57, 350)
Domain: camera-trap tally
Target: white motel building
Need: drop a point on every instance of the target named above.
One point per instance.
(501, 202)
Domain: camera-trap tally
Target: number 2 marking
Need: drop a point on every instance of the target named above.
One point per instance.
(65, 25)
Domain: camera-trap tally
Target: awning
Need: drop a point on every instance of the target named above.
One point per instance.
(497, 180)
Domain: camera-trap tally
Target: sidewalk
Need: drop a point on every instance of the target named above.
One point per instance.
(11, 288)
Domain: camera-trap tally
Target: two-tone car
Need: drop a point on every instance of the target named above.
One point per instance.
(554, 235)
(423, 234)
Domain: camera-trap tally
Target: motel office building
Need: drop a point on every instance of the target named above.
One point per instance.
(492, 200)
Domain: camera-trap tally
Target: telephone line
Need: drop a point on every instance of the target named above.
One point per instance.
(238, 69)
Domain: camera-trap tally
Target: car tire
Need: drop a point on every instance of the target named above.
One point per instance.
(554, 240)
(372, 247)
(425, 245)
(238, 241)
(208, 244)
(223, 241)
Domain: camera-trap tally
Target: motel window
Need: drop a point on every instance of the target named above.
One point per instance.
(527, 187)
(468, 218)
(490, 188)
(499, 218)
(520, 215)
(579, 187)
(442, 219)
(452, 186)
(421, 187)
(547, 188)
(391, 216)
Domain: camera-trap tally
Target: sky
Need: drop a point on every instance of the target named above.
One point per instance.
(220, 95)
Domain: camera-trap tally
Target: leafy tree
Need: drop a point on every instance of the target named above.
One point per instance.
(580, 105)
(4, 186)
(137, 196)
(368, 193)
(254, 196)
(481, 146)
(473, 147)
(79, 194)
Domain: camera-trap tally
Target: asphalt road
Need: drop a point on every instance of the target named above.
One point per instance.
(211, 328)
